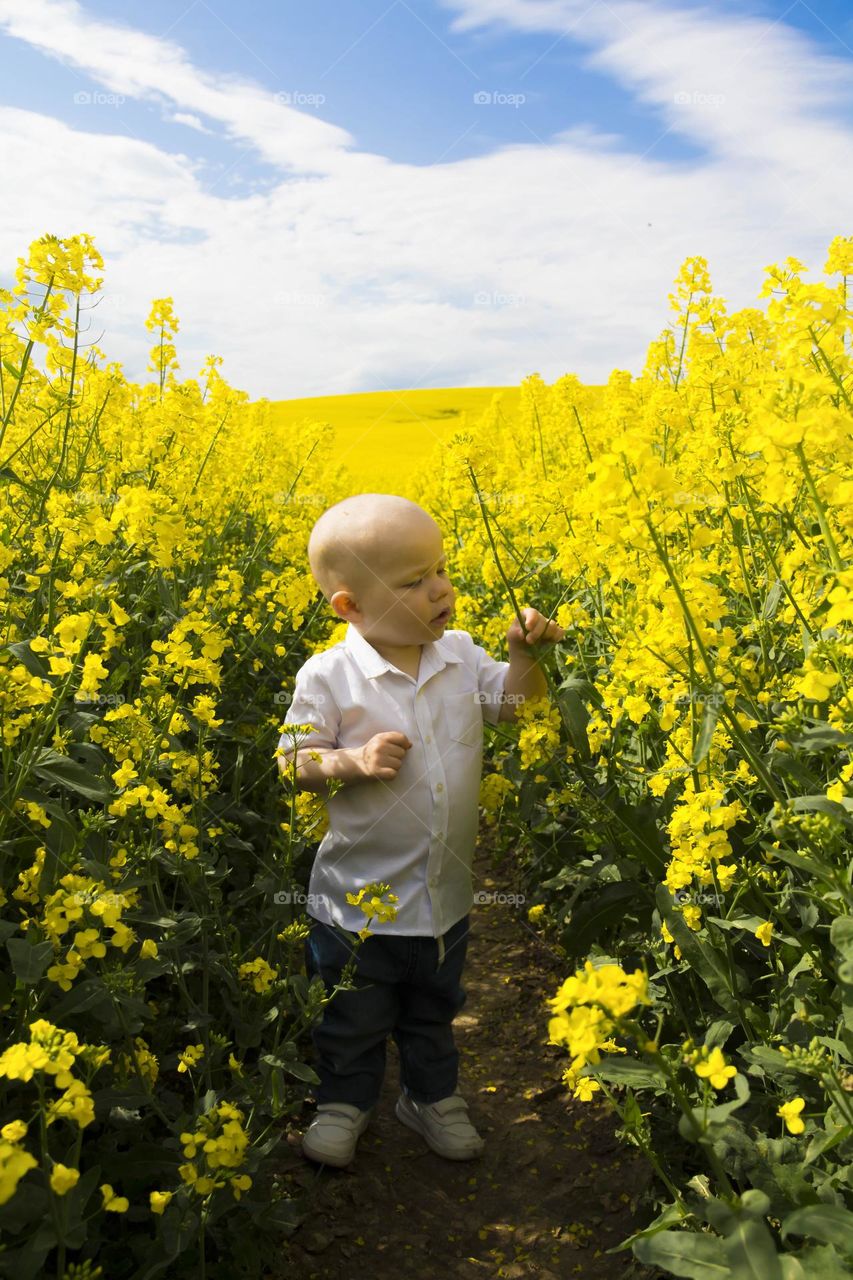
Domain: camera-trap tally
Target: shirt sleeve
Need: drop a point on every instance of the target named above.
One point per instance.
(491, 677)
(313, 704)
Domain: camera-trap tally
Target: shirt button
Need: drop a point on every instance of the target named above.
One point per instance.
(439, 786)
(433, 880)
(428, 738)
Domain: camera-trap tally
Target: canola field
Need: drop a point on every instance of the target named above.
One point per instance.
(680, 805)
(383, 438)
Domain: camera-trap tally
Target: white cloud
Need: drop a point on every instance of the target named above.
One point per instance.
(355, 273)
(191, 121)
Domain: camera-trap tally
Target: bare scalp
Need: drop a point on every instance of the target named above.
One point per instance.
(383, 754)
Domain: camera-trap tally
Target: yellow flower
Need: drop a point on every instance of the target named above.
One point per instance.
(259, 973)
(14, 1163)
(714, 1068)
(62, 1179)
(190, 1056)
(585, 1088)
(816, 685)
(113, 1203)
(373, 905)
(536, 913)
(159, 1200)
(13, 1131)
(790, 1113)
(764, 931)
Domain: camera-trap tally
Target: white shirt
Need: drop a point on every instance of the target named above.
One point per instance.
(417, 832)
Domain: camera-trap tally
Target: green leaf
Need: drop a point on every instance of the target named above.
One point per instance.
(575, 717)
(821, 1262)
(841, 936)
(302, 1072)
(718, 1033)
(794, 859)
(839, 809)
(639, 833)
(683, 1253)
(827, 1222)
(25, 655)
(667, 1217)
(29, 961)
(823, 1142)
(751, 1252)
(607, 905)
(710, 715)
(820, 736)
(625, 1071)
(771, 600)
(66, 773)
(700, 955)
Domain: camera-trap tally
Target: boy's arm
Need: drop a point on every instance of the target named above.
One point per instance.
(524, 680)
(316, 766)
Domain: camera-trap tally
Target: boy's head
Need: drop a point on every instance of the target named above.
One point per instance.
(378, 559)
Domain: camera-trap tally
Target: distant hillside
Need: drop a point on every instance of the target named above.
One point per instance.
(388, 434)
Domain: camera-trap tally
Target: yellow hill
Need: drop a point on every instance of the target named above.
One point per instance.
(384, 436)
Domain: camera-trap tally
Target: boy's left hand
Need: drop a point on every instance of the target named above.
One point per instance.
(539, 629)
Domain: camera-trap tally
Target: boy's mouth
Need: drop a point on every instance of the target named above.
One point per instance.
(442, 617)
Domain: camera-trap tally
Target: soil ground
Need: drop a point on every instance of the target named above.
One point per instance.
(554, 1188)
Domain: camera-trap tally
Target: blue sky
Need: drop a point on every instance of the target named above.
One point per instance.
(333, 209)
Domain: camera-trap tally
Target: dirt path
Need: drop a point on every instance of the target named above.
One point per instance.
(554, 1188)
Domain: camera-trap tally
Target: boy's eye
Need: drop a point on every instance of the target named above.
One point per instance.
(420, 580)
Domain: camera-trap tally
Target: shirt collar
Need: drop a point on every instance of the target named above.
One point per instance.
(436, 654)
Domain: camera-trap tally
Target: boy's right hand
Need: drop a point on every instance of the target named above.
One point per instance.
(383, 754)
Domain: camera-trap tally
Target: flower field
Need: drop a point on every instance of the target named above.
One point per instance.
(680, 808)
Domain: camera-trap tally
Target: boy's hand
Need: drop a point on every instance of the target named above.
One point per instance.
(383, 754)
(539, 628)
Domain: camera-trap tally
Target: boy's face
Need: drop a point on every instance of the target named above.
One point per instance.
(404, 589)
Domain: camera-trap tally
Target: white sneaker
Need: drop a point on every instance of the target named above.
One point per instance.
(444, 1125)
(332, 1135)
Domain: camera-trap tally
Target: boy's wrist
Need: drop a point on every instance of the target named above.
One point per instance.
(524, 651)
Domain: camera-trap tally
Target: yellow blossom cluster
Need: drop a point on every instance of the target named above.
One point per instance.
(259, 973)
(588, 1009)
(48, 1056)
(214, 1151)
(371, 900)
(79, 899)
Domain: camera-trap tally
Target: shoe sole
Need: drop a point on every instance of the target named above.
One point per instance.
(413, 1124)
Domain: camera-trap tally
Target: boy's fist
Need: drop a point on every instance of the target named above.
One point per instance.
(383, 754)
(540, 630)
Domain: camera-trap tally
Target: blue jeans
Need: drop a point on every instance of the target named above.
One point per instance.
(399, 988)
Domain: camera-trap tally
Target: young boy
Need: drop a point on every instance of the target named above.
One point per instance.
(399, 706)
